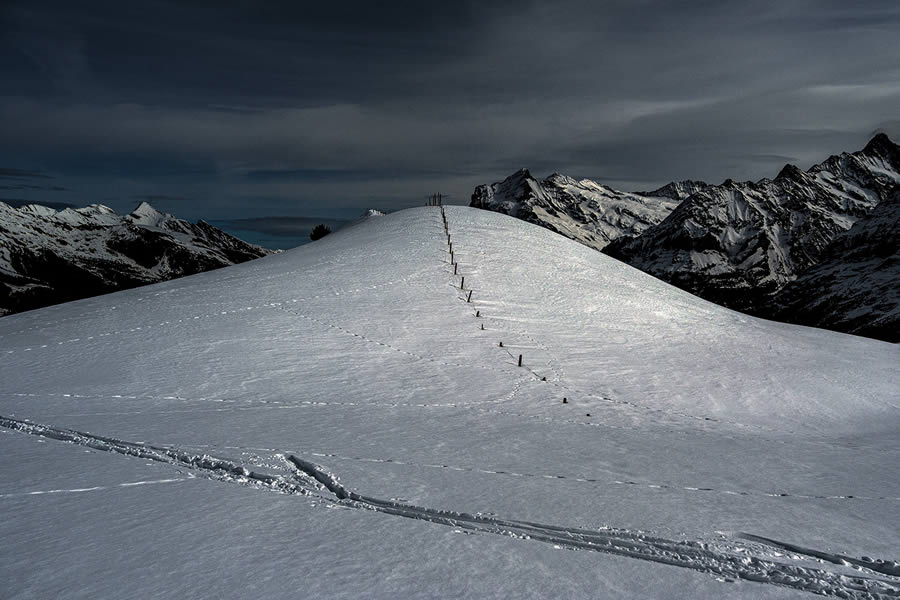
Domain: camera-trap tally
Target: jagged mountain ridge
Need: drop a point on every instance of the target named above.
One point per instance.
(49, 256)
(582, 210)
(737, 244)
(855, 288)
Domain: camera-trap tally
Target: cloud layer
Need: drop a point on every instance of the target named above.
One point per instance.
(236, 109)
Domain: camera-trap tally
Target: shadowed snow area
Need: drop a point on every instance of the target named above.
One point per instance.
(334, 421)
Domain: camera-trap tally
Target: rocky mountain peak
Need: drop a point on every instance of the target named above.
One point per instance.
(145, 214)
(792, 172)
(882, 146)
(677, 190)
(584, 210)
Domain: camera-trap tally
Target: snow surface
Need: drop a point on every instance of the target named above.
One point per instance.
(333, 421)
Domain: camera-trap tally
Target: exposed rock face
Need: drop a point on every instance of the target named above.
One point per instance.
(855, 287)
(737, 244)
(49, 256)
(582, 210)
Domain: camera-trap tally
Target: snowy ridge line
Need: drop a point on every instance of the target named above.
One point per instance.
(740, 560)
(191, 319)
(698, 556)
(604, 482)
(97, 488)
(209, 466)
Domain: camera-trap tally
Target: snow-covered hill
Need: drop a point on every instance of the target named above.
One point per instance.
(49, 256)
(582, 210)
(738, 243)
(342, 421)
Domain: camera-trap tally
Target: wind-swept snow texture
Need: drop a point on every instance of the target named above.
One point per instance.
(342, 420)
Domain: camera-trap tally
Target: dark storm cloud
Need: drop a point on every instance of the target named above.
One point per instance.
(8, 173)
(338, 106)
(159, 198)
(30, 186)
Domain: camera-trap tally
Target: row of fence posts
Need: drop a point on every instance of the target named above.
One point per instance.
(462, 278)
(437, 200)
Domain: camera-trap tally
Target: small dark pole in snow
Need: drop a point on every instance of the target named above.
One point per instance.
(482, 326)
(462, 282)
(469, 299)
(543, 379)
(477, 313)
(454, 266)
(520, 360)
(565, 400)
(501, 344)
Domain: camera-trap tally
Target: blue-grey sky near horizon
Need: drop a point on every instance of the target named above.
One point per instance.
(235, 109)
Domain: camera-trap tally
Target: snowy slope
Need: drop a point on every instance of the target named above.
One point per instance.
(334, 422)
(740, 242)
(582, 210)
(49, 256)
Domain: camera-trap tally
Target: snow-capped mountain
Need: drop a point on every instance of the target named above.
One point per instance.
(49, 256)
(677, 190)
(855, 287)
(582, 210)
(341, 421)
(740, 242)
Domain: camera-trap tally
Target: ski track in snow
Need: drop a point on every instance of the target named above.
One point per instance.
(96, 488)
(744, 557)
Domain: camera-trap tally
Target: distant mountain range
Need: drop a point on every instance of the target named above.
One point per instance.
(49, 256)
(806, 247)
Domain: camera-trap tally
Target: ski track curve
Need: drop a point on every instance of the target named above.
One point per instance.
(738, 558)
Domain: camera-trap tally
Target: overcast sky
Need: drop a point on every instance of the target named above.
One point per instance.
(225, 109)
